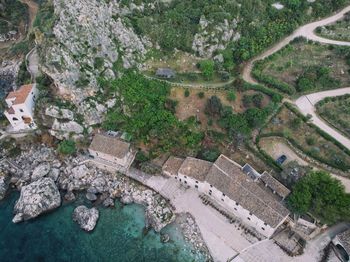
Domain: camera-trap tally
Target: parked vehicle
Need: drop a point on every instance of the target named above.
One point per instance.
(281, 159)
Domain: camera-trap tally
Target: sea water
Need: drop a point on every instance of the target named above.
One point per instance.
(118, 236)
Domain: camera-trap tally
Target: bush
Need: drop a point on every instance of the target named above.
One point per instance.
(67, 147)
(207, 68)
(200, 95)
(231, 96)
(187, 93)
(214, 106)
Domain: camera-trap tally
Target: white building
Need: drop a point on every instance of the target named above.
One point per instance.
(112, 151)
(225, 182)
(21, 103)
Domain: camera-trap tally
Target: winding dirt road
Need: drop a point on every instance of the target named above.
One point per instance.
(307, 31)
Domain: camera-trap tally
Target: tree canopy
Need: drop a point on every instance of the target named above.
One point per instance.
(322, 196)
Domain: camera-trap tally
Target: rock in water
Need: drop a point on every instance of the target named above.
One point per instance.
(85, 217)
(36, 198)
(91, 196)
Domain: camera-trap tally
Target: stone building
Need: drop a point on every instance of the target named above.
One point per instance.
(255, 201)
(21, 103)
(111, 151)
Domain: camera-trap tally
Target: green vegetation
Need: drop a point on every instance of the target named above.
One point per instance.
(207, 67)
(303, 67)
(255, 100)
(340, 30)
(23, 76)
(45, 19)
(231, 96)
(200, 94)
(323, 147)
(336, 111)
(322, 196)
(142, 113)
(67, 147)
(187, 93)
(12, 14)
(175, 23)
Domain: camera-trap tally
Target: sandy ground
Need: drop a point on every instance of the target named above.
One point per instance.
(276, 147)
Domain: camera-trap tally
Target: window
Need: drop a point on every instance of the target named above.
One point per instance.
(223, 194)
(265, 224)
(196, 186)
(210, 193)
(180, 179)
(235, 209)
(248, 218)
(211, 185)
(263, 228)
(237, 204)
(196, 182)
(185, 176)
(222, 199)
(250, 214)
(176, 177)
(21, 110)
(185, 182)
(15, 119)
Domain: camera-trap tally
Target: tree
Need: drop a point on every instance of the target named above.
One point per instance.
(255, 117)
(67, 147)
(213, 106)
(207, 68)
(322, 196)
(187, 93)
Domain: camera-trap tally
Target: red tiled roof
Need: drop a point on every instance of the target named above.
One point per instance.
(21, 94)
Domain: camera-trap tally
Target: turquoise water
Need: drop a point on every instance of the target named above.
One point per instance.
(118, 236)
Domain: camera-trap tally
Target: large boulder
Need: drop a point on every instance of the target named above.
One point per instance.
(36, 198)
(85, 217)
(59, 113)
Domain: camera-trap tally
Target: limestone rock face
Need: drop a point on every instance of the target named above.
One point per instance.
(59, 113)
(36, 198)
(85, 217)
(90, 35)
(66, 130)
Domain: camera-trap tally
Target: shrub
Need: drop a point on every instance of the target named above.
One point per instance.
(207, 68)
(231, 96)
(187, 93)
(200, 95)
(67, 147)
(214, 106)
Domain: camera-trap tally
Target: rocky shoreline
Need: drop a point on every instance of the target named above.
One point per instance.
(43, 179)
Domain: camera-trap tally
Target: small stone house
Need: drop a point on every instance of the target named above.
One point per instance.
(20, 111)
(234, 188)
(165, 73)
(112, 150)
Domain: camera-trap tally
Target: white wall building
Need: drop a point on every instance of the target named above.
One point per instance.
(225, 182)
(21, 103)
(112, 150)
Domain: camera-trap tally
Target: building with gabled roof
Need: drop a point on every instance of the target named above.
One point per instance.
(20, 111)
(112, 150)
(238, 189)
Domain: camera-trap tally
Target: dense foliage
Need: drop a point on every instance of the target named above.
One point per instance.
(142, 112)
(322, 196)
(12, 14)
(67, 147)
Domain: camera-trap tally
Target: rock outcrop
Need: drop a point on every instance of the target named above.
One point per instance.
(85, 217)
(3, 185)
(89, 37)
(36, 198)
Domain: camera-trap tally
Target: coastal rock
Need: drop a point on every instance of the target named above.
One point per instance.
(36, 198)
(69, 196)
(41, 171)
(108, 202)
(3, 185)
(85, 217)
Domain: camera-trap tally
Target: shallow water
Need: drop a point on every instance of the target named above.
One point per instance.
(118, 236)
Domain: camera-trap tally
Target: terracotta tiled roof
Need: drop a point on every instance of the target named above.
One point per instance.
(274, 184)
(21, 94)
(172, 165)
(195, 168)
(110, 145)
(228, 177)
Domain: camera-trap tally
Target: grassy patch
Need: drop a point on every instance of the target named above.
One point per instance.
(339, 30)
(303, 67)
(336, 111)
